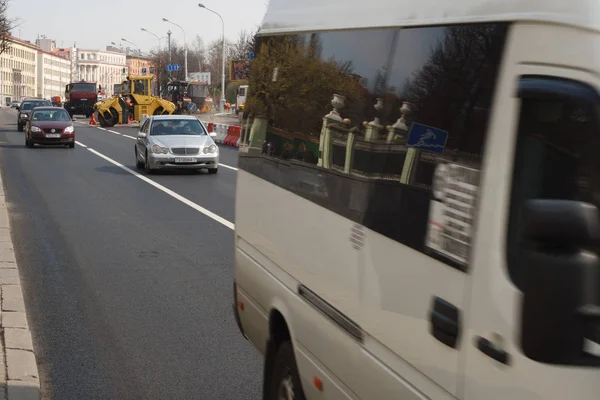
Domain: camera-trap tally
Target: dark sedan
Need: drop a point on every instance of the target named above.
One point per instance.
(50, 126)
(25, 109)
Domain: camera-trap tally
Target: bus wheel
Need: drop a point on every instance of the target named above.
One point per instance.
(285, 382)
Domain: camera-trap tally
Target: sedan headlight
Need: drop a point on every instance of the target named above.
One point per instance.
(212, 149)
(35, 129)
(69, 129)
(156, 149)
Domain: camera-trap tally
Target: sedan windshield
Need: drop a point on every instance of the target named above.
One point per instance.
(191, 127)
(50, 115)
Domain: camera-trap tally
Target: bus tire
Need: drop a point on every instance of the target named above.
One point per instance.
(285, 380)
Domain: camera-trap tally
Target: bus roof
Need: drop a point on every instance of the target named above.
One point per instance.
(317, 15)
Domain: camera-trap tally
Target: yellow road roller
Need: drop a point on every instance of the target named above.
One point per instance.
(134, 100)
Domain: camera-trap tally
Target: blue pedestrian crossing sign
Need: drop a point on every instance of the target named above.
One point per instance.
(143, 71)
(251, 56)
(427, 138)
(173, 67)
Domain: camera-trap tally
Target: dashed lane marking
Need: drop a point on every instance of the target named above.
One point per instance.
(163, 189)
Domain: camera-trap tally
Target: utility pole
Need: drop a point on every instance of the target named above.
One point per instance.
(170, 60)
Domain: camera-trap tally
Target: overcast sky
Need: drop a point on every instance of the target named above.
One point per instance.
(94, 24)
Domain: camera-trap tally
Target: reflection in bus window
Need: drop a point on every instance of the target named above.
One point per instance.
(369, 115)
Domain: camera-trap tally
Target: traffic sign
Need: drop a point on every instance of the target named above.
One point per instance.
(143, 71)
(427, 138)
(173, 67)
(251, 56)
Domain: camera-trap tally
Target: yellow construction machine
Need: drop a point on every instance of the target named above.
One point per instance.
(134, 100)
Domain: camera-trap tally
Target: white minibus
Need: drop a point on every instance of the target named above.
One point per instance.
(417, 200)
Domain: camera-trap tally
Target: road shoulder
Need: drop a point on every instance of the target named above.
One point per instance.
(19, 377)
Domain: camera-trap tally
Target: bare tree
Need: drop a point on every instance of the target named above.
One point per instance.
(199, 51)
(6, 26)
(244, 45)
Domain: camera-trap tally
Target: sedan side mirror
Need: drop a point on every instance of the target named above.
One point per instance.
(142, 135)
(212, 134)
(561, 286)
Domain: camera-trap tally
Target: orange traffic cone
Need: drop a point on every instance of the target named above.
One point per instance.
(129, 120)
(93, 119)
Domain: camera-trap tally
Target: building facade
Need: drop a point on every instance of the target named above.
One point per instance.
(138, 65)
(18, 70)
(53, 74)
(105, 67)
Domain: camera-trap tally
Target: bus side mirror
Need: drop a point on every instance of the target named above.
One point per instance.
(561, 286)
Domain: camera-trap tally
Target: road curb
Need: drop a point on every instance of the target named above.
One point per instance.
(19, 376)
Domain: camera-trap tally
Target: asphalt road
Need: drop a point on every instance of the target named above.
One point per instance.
(127, 282)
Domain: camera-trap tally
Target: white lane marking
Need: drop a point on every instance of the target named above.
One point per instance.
(99, 127)
(227, 166)
(81, 144)
(160, 187)
(115, 132)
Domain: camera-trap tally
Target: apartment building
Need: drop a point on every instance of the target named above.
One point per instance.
(105, 67)
(53, 74)
(139, 65)
(18, 70)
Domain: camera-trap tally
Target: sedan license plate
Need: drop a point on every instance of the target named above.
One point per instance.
(53, 135)
(186, 160)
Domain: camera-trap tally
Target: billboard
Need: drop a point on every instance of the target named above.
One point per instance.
(202, 77)
(239, 70)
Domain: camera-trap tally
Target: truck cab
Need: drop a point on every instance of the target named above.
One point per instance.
(177, 93)
(80, 98)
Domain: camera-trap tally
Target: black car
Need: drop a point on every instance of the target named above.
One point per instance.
(25, 110)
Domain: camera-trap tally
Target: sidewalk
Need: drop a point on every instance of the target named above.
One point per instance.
(19, 378)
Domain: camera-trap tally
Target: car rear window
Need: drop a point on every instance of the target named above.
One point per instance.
(31, 104)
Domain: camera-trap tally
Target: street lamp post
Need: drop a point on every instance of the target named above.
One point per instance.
(185, 50)
(136, 46)
(222, 102)
(155, 35)
(158, 67)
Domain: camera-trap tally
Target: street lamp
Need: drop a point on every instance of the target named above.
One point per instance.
(155, 35)
(223, 56)
(185, 50)
(127, 41)
(158, 67)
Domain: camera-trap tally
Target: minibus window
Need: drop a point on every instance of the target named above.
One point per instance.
(556, 156)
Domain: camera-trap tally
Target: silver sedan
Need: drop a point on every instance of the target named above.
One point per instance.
(175, 141)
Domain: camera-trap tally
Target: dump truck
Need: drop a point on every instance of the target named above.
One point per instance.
(80, 98)
(133, 101)
(198, 92)
(177, 94)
